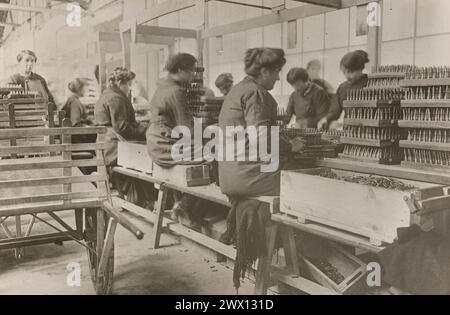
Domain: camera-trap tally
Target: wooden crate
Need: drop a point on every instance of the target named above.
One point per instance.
(372, 212)
(352, 269)
(134, 155)
(182, 175)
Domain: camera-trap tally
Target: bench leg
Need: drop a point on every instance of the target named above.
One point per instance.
(290, 249)
(160, 208)
(19, 252)
(265, 263)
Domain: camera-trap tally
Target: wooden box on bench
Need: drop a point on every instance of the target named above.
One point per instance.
(183, 175)
(134, 155)
(373, 212)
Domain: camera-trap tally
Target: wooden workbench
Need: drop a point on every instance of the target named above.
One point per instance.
(212, 193)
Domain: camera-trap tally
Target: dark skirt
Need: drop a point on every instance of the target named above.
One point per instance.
(419, 263)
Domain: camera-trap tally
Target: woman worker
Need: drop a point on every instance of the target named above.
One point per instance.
(309, 102)
(32, 81)
(224, 83)
(76, 111)
(249, 104)
(168, 110)
(352, 66)
(115, 111)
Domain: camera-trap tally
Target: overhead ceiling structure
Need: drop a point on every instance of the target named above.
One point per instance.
(84, 4)
(3, 19)
(6, 8)
(336, 4)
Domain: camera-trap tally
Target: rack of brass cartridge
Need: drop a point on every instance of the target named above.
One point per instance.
(13, 94)
(199, 106)
(282, 118)
(371, 116)
(315, 145)
(426, 118)
(10, 89)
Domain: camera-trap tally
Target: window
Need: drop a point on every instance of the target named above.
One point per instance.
(292, 34)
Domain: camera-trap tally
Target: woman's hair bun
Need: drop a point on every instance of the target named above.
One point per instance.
(355, 60)
(258, 58)
(76, 85)
(181, 61)
(121, 75)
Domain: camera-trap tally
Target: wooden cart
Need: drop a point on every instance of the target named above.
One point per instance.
(43, 187)
(30, 112)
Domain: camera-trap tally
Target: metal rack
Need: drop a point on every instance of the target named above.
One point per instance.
(426, 118)
(371, 130)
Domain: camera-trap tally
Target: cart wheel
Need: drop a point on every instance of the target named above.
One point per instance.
(105, 284)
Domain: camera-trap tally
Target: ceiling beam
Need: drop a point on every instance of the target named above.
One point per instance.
(326, 3)
(352, 3)
(265, 20)
(280, 17)
(8, 24)
(157, 11)
(166, 31)
(109, 37)
(154, 40)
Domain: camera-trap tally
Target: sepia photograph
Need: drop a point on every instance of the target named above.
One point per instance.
(222, 149)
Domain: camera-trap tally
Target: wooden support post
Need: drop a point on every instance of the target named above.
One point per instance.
(101, 64)
(161, 206)
(126, 48)
(12, 125)
(290, 249)
(67, 156)
(200, 45)
(265, 263)
(374, 37)
(51, 123)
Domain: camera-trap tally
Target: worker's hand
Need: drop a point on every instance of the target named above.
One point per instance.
(323, 124)
(298, 145)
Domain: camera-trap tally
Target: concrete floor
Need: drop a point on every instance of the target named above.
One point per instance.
(174, 269)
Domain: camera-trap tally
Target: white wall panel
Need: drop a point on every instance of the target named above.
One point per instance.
(254, 38)
(398, 19)
(313, 33)
(397, 52)
(292, 61)
(272, 36)
(331, 66)
(239, 46)
(433, 17)
(337, 29)
(433, 50)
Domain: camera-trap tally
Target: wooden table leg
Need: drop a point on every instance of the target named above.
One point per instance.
(290, 249)
(160, 208)
(19, 252)
(265, 263)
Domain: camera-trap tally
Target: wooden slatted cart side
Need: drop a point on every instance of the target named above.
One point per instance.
(52, 184)
(29, 113)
